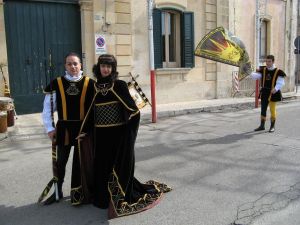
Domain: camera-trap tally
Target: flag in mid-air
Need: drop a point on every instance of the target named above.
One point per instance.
(222, 46)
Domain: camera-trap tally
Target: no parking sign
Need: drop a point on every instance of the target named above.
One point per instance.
(100, 44)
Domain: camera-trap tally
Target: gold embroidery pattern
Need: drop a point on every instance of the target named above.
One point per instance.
(72, 89)
(109, 114)
(103, 88)
(76, 195)
(122, 208)
(161, 187)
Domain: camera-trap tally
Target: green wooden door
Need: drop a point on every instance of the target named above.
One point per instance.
(38, 36)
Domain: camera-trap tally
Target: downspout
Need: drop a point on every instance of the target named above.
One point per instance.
(151, 60)
(257, 26)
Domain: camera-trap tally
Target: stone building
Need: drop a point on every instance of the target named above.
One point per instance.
(35, 35)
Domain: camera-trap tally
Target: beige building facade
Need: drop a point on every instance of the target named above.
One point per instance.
(124, 24)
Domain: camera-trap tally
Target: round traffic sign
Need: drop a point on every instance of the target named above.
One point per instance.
(100, 41)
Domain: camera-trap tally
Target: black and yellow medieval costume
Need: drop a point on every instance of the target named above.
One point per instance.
(269, 79)
(72, 101)
(112, 123)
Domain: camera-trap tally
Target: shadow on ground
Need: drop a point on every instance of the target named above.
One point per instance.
(61, 213)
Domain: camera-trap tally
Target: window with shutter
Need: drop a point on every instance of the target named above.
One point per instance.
(173, 34)
(157, 40)
(187, 31)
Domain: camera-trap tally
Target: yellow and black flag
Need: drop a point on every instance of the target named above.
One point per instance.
(222, 46)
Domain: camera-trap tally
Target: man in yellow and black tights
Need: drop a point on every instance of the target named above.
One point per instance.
(272, 80)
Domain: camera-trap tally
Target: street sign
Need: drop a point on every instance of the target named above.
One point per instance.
(100, 44)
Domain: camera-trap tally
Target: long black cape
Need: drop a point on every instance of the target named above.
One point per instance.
(107, 159)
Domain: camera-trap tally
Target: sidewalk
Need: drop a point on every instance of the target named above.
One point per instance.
(213, 105)
(30, 126)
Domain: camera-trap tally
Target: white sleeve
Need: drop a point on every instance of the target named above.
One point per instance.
(279, 83)
(46, 115)
(255, 75)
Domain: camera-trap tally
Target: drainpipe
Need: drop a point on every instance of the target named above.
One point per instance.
(257, 27)
(151, 60)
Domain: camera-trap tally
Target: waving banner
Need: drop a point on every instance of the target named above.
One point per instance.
(222, 46)
(136, 93)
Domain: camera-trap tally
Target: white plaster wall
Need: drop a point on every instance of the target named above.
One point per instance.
(291, 34)
(243, 25)
(140, 43)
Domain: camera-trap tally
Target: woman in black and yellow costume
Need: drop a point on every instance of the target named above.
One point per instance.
(112, 125)
(272, 80)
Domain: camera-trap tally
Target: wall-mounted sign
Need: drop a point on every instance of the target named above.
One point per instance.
(100, 44)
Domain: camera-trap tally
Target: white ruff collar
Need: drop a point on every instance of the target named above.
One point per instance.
(273, 67)
(75, 77)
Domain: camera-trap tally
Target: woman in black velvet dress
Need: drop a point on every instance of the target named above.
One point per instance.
(112, 125)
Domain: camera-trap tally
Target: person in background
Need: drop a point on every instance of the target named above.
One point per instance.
(272, 80)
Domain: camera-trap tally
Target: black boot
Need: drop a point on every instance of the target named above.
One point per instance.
(261, 127)
(272, 127)
(52, 198)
